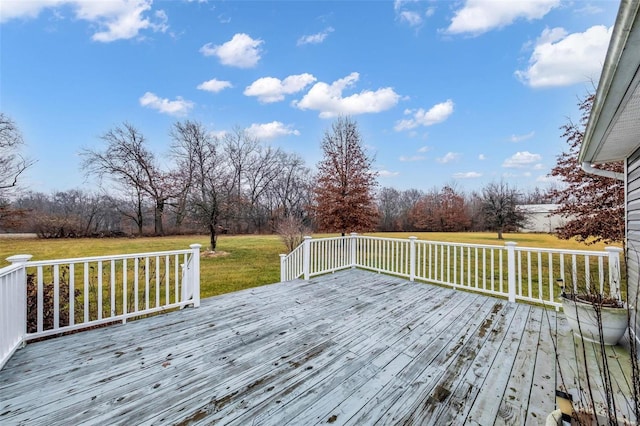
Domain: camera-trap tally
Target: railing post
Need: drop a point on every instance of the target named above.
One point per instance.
(354, 246)
(195, 273)
(306, 257)
(283, 275)
(511, 269)
(614, 270)
(22, 259)
(412, 258)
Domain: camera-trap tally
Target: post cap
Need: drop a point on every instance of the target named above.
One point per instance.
(19, 258)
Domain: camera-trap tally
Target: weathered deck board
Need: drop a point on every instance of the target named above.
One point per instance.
(544, 369)
(353, 347)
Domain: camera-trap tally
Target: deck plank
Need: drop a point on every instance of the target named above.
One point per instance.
(508, 379)
(544, 380)
(354, 347)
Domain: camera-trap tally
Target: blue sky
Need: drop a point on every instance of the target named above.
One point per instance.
(466, 91)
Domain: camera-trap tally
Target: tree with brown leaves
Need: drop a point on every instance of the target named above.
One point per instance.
(440, 211)
(593, 205)
(344, 190)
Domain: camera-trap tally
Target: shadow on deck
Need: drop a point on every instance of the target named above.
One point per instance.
(352, 347)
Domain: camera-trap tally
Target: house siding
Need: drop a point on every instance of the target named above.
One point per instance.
(633, 234)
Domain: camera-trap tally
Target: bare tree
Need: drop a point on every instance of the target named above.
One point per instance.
(389, 209)
(344, 191)
(260, 177)
(500, 207)
(127, 160)
(592, 205)
(199, 153)
(290, 192)
(12, 163)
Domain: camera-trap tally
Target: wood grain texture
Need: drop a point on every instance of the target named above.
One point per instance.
(353, 347)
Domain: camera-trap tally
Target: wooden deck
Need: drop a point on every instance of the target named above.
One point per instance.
(352, 347)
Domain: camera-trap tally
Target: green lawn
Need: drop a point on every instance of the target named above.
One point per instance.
(243, 261)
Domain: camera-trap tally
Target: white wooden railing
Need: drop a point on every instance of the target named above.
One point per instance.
(518, 273)
(42, 298)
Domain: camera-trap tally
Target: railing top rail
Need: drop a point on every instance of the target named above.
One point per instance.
(32, 263)
(371, 237)
(563, 251)
(9, 269)
(488, 246)
(315, 240)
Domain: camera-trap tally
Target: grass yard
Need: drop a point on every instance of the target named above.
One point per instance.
(242, 261)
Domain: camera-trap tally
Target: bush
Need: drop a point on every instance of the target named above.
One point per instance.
(48, 307)
(292, 232)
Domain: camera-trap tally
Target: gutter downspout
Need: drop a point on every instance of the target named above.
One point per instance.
(588, 168)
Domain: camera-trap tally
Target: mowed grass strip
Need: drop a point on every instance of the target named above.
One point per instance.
(242, 261)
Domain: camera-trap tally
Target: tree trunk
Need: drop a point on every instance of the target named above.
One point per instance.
(212, 236)
(500, 234)
(159, 211)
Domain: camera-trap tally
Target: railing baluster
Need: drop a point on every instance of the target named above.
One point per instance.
(124, 286)
(500, 270)
(86, 294)
(540, 292)
(99, 307)
(601, 274)
(157, 281)
(529, 272)
(40, 298)
(146, 282)
(113, 288)
(136, 279)
(72, 294)
(167, 281)
(56, 296)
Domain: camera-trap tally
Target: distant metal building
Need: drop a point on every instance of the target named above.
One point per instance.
(541, 218)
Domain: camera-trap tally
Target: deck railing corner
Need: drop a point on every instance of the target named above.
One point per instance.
(13, 306)
(514, 272)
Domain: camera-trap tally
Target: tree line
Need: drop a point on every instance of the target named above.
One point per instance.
(236, 184)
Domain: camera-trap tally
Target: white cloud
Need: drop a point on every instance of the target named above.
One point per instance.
(482, 157)
(214, 85)
(449, 157)
(114, 19)
(521, 160)
(410, 12)
(241, 51)
(467, 175)
(315, 38)
(271, 89)
(480, 16)
(218, 134)
(271, 130)
(437, 114)
(589, 9)
(387, 173)
(424, 149)
(328, 99)
(24, 9)
(561, 59)
(178, 107)
(412, 158)
(520, 138)
(412, 18)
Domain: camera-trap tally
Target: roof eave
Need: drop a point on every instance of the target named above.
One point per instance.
(619, 70)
